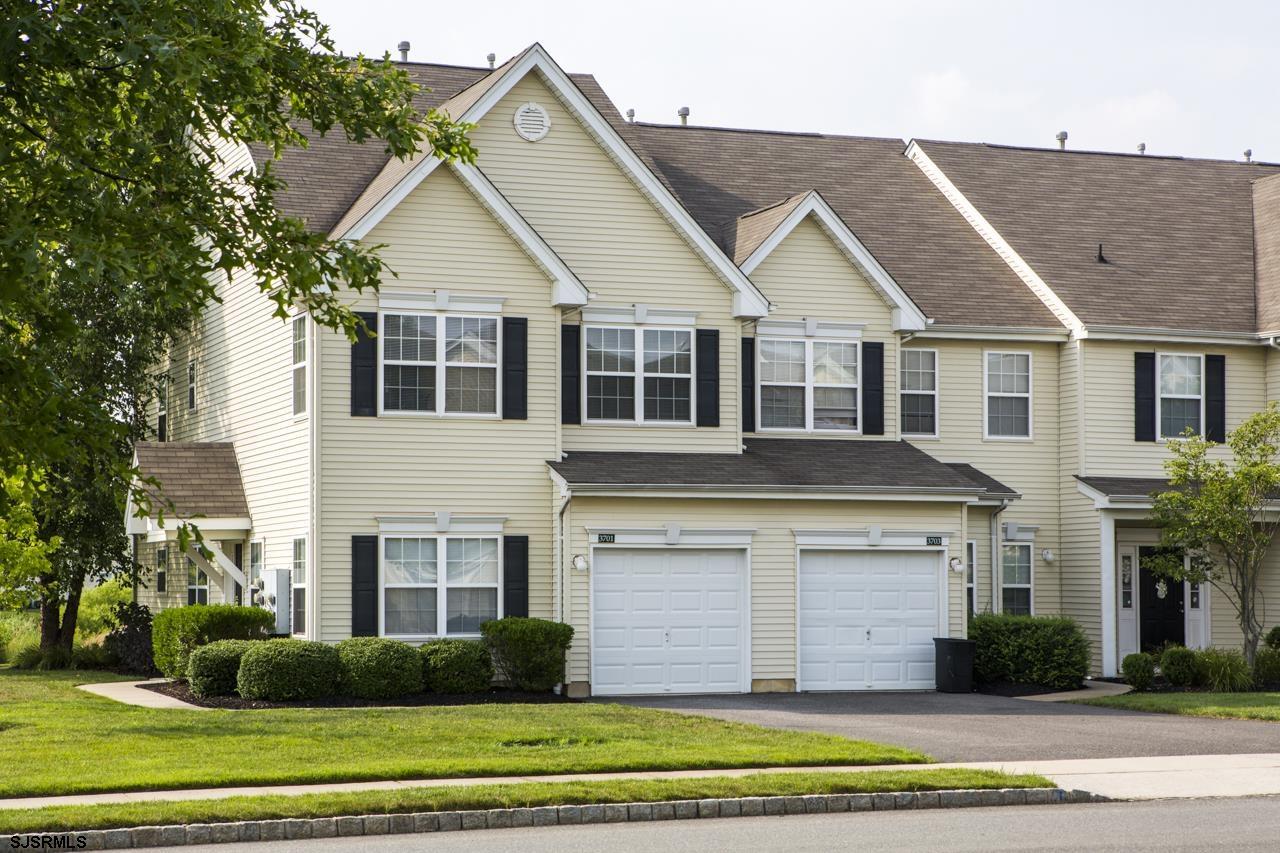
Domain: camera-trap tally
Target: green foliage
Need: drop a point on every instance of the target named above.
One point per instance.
(1273, 638)
(1050, 651)
(1139, 670)
(24, 555)
(456, 666)
(378, 668)
(528, 654)
(98, 606)
(92, 656)
(212, 669)
(130, 640)
(175, 632)
(1266, 669)
(34, 657)
(1223, 670)
(17, 630)
(1178, 665)
(288, 671)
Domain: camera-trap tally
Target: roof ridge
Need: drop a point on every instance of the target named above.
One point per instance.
(805, 133)
(1096, 153)
(769, 207)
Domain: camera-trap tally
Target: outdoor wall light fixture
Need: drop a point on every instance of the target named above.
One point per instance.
(1047, 555)
(580, 562)
(956, 564)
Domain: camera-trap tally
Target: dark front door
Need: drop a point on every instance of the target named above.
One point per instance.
(1161, 620)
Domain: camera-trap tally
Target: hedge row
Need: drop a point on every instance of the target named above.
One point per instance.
(1049, 651)
(1217, 670)
(176, 632)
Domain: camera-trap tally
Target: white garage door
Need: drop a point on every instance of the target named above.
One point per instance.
(668, 620)
(868, 619)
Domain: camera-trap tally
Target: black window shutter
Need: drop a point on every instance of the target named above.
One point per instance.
(570, 374)
(748, 384)
(1144, 396)
(364, 370)
(364, 586)
(708, 353)
(873, 389)
(515, 575)
(515, 368)
(1215, 397)
(160, 581)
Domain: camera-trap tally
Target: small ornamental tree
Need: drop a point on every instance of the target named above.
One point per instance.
(1223, 516)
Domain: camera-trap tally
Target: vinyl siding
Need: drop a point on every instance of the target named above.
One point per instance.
(773, 558)
(176, 577)
(440, 237)
(808, 276)
(618, 243)
(1222, 616)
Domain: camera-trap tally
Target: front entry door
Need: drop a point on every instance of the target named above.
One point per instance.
(1161, 618)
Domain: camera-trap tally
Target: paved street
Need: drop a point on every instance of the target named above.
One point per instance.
(1238, 825)
(974, 727)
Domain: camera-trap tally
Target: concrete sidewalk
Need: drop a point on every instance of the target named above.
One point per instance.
(132, 693)
(1143, 778)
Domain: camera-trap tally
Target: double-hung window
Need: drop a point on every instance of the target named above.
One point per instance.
(808, 384)
(191, 385)
(299, 365)
(439, 364)
(639, 375)
(298, 586)
(197, 584)
(1180, 380)
(971, 575)
(433, 586)
(162, 566)
(918, 380)
(1015, 578)
(1008, 391)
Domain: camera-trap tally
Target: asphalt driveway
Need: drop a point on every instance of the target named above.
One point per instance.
(973, 727)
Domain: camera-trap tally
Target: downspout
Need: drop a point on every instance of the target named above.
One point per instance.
(995, 555)
(561, 580)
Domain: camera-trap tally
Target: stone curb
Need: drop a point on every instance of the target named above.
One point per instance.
(329, 827)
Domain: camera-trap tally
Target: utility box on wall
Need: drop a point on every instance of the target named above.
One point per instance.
(278, 595)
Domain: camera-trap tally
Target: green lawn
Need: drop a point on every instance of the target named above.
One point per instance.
(1244, 706)
(67, 818)
(55, 739)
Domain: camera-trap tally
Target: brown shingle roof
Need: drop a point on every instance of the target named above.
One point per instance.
(199, 478)
(1266, 241)
(915, 233)
(1177, 233)
(743, 235)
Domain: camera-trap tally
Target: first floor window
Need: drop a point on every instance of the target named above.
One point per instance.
(197, 585)
(918, 378)
(1008, 383)
(808, 385)
(255, 570)
(191, 385)
(642, 375)
(1181, 385)
(438, 585)
(1015, 578)
(971, 575)
(299, 365)
(298, 586)
(440, 364)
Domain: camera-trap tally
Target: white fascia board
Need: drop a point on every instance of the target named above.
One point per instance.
(391, 200)
(1173, 336)
(883, 539)
(907, 316)
(993, 333)
(717, 492)
(673, 533)
(993, 238)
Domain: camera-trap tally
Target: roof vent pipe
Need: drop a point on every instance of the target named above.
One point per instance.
(1142, 148)
(1062, 140)
(631, 115)
(1248, 155)
(493, 57)
(683, 112)
(403, 47)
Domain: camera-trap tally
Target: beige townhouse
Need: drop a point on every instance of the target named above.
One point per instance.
(752, 411)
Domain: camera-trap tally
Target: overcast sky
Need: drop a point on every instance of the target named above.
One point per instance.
(1197, 79)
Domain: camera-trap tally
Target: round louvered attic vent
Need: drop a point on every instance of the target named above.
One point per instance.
(532, 121)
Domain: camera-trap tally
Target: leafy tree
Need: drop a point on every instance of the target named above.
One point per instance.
(1223, 516)
(120, 218)
(24, 555)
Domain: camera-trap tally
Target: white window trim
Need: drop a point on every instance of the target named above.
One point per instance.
(296, 365)
(971, 574)
(639, 375)
(197, 586)
(250, 579)
(987, 394)
(294, 584)
(1031, 585)
(441, 367)
(1160, 397)
(808, 386)
(440, 586)
(902, 392)
(193, 399)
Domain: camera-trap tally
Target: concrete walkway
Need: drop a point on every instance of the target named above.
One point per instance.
(1091, 690)
(130, 693)
(1142, 778)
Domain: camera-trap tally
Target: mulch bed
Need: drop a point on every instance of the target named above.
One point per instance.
(416, 700)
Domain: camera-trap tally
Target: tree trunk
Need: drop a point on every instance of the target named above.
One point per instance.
(58, 626)
(67, 631)
(50, 626)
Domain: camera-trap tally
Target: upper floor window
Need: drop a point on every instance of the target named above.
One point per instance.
(191, 385)
(1180, 384)
(918, 381)
(808, 384)
(1008, 392)
(438, 585)
(299, 365)
(639, 375)
(439, 364)
(162, 409)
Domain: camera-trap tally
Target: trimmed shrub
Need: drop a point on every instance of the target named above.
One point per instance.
(1139, 670)
(378, 668)
(528, 654)
(212, 669)
(1266, 669)
(1223, 670)
(456, 666)
(1050, 651)
(288, 671)
(1273, 638)
(1178, 665)
(130, 640)
(175, 632)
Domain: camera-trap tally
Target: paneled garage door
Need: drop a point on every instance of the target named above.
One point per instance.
(868, 619)
(668, 620)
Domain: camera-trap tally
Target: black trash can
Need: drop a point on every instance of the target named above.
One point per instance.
(953, 662)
